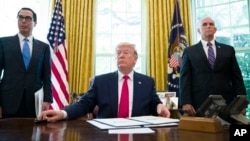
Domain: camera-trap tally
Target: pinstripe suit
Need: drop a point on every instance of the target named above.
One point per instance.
(17, 82)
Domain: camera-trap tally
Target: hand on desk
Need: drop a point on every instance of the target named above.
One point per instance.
(45, 106)
(163, 111)
(51, 115)
(188, 109)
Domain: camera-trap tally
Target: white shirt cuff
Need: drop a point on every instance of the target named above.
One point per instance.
(65, 115)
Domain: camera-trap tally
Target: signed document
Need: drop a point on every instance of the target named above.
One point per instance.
(120, 122)
(133, 122)
(155, 119)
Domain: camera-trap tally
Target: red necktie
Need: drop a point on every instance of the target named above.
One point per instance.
(123, 137)
(124, 106)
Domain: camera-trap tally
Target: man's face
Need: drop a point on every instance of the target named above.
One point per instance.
(207, 28)
(126, 59)
(25, 22)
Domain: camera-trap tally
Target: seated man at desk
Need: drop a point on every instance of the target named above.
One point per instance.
(107, 91)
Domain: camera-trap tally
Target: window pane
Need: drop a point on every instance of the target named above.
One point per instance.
(9, 18)
(106, 63)
(103, 22)
(214, 2)
(241, 37)
(103, 44)
(239, 13)
(243, 60)
(118, 21)
(119, 5)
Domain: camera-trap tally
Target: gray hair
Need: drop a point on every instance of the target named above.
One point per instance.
(130, 45)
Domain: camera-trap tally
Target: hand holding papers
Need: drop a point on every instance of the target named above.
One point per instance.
(38, 103)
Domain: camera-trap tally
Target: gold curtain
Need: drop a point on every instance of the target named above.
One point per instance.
(159, 19)
(79, 22)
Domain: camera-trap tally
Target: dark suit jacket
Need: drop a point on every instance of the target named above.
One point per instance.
(16, 78)
(198, 80)
(104, 93)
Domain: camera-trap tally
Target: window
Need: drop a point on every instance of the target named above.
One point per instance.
(9, 25)
(9, 19)
(118, 21)
(233, 27)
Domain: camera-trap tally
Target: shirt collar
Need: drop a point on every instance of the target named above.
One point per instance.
(204, 43)
(120, 75)
(21, 37)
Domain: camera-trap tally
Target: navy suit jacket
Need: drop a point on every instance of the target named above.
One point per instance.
(104, 93)
(198, 80)
(17, 79)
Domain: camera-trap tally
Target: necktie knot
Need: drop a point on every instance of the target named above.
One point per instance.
(125, 77)
(209, 44)
(26, 40)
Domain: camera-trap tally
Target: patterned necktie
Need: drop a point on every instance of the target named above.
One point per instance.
(26, 53)
(123, 111)
(211, 56)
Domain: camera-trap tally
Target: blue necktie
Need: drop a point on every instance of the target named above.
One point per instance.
(26, 53)
(211, 56)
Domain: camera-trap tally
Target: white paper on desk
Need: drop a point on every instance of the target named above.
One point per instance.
(131, 131)
(38, 101)
(100, 125)
(155, 119)
(162, 125)
(120, 122)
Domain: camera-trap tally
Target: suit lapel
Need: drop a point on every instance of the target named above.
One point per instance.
(218, 53)
(136, 92)
(16, 50)
(35, 52)
(114, 92)
(137, 85)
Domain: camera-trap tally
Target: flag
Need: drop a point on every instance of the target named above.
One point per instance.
(59, 67)
(174, 62)
(177, 43)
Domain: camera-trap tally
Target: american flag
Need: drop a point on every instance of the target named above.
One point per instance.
(178, 42)
(174, 60)
(59, 69)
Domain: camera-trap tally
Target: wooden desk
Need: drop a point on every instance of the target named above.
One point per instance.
(79, 130)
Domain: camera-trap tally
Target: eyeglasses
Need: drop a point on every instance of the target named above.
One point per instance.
(27, 18)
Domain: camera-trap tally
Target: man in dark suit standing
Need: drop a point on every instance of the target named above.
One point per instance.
(199, 78)
(105, 91)
(21, 81)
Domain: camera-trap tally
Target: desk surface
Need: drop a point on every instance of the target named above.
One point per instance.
(79, 130)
